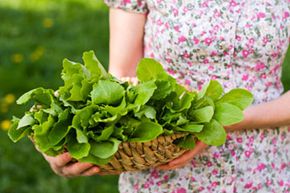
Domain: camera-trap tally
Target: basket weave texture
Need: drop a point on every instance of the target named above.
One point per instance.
(136, 156)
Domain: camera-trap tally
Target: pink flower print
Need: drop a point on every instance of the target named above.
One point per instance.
(186, 55)
(146, 185)
(209, 164)
(248, 154)
(159, 22)
(268, 182)
(245, 53)
(181, 39)
(208, 41)
(214, 172)
(261, 15)
(245, 77)
(166, 177)
(193, 179)
(248, 185)
(214, 184)
(217, 13)
(233, 3)
(155, 174)
(187, 82)
(175, 12)
(216, 155)
(195, 40)
(201, 189)
(259, 66)
(211, 67)
(180, 190)
(281, 183)
(205, 61)
(286, 15)
(159, 183)
(177, 28)
(283, 166)
(251, 41)
(240, 140)
(261, 167)
(126, 1)
(274, 141)
(265, 40)
(238, 38)
(136, 186)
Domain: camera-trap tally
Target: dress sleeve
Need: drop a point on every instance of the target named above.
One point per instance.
(136, 6)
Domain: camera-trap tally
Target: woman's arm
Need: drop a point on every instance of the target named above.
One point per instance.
(126, 48)
(271, 114)
(126, 42)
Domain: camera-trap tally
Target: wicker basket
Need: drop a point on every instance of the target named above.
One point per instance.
(136, 156)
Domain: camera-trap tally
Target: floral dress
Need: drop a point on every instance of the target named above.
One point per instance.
(242, 44)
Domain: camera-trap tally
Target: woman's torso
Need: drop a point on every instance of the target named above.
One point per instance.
(241, 44)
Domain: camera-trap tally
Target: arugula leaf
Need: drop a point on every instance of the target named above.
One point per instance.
(146, 131)
(149, 69)
(228, 114)
(187, 142)
(213, 90)
(238, 97)
(202, 115)
(213, 133)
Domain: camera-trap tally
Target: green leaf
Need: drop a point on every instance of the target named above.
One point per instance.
(81, 136)
(77, 150)
(17, 134)
(39, 95)
(60, 129)
(26, 120)
(146, 111)
(191, 127)
(95, 160)
(149, 69)
(144, 92)
(187, 142)
(105, 134)
(238, 97)
(228, 114)
(146, 131)
(202, 115)
(213, 133)
(213, 90)
(107, 92)
(105, 149)
(93, 65)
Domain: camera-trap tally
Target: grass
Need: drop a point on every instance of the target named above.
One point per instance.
(35, 35)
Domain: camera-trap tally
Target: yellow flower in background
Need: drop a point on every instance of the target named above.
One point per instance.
(5, 125)
(9, 98)
(17, 58)
(47, 23)
(37, 54)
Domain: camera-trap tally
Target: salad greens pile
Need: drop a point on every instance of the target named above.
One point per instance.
(93, 112)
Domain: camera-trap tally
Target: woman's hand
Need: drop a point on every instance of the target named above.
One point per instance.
(63, 165)
(184, 158)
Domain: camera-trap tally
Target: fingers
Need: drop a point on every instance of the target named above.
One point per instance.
(184, 158)
(60, 160)
(189, 154)
(78, 169)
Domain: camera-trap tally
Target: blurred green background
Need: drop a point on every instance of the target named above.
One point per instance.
(35, 36)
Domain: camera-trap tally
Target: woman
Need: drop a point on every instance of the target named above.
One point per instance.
(241, 44)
